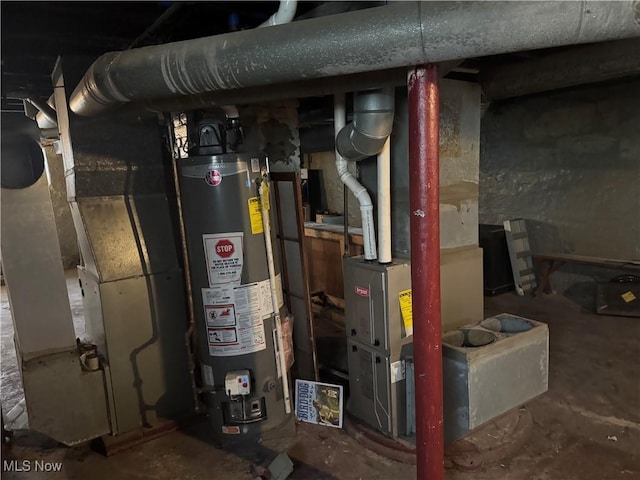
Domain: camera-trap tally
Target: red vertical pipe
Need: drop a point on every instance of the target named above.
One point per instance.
(424, 187)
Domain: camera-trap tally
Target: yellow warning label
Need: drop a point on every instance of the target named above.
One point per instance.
(628, 296)
(406, 310)
(264, 196)
(255, 215)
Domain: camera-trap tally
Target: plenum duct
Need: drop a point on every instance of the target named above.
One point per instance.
(397, 35)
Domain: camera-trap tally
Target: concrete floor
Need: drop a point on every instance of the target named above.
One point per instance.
(587, 427)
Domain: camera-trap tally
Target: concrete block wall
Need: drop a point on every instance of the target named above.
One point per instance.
(459, 167)
(326, 161)
(568, 162)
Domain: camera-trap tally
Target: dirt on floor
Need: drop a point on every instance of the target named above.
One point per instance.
(586, 427)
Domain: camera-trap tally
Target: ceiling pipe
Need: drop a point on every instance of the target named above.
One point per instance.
(285, 13)
(318, 87)
(397, 35)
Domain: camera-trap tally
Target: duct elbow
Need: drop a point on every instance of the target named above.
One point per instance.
(46, 121)
(96, 92)
(356, 146)
(371, 126)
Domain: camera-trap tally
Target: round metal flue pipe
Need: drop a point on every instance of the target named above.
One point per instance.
(397, 35)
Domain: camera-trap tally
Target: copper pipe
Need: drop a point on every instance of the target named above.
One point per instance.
(189, 334)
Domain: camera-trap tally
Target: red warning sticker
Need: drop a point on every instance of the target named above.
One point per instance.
(224, 257)
(213, 178)
(225, 248)
(220, 315)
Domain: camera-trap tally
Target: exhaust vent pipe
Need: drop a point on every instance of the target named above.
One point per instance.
(371, 126)
(364, 137)
(285, 13)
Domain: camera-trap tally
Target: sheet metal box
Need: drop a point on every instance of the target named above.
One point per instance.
(482, 382)
(372, 308)
(375, 338)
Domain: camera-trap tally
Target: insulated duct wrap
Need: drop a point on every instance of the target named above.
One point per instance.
(397, 35)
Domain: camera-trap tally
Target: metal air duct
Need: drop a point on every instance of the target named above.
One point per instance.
(371, 125)
(397, 35)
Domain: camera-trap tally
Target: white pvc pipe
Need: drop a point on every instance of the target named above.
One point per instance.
(361, 194)
(286, 12)
(266, 226)
(384, 203)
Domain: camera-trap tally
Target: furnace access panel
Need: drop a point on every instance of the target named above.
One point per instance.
(375, 337)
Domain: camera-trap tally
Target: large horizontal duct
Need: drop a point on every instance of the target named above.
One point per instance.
(396, 35)
(317, 87)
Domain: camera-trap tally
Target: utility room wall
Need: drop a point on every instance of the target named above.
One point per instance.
(333, 186)
(459, 165)
(569, 163)
(273, 128)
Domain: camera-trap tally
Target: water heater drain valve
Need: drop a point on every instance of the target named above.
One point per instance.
(237, 382)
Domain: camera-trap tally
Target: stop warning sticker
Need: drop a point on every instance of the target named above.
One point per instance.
(224, 256)
(225, 248)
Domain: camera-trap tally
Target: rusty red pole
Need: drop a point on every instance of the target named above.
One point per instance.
(424, 188)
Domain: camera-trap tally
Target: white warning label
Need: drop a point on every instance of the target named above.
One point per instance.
(235, 317)
(218, 295)
(222, 336)
(220, 315)
(224, 256)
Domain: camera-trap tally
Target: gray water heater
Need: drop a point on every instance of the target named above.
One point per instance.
(232, 295)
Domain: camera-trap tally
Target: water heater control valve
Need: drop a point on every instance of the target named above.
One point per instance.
(237, 382)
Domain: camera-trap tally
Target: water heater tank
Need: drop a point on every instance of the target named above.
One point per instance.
(232, 295)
